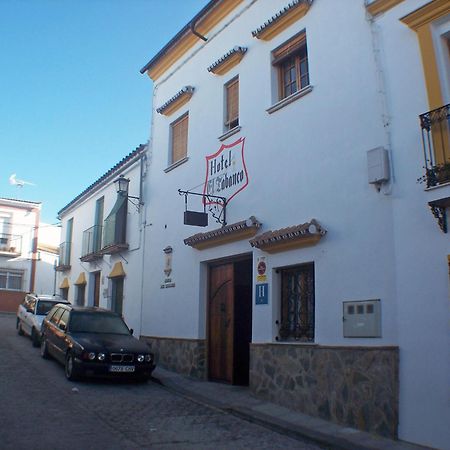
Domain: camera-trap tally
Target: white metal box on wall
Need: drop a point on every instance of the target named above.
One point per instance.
(362, 318)
(378, 165)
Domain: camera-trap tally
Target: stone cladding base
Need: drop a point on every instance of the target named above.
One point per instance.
(352, 386)
(184, 356)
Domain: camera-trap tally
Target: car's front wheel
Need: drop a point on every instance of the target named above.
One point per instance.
(44, 349)
(35, 338)
(19, 327)
(70, 368)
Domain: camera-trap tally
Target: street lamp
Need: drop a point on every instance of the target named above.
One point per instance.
(122, 184)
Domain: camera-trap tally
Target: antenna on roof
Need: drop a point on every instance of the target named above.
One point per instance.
(19, 183)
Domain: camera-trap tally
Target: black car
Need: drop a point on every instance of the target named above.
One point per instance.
(92, 341)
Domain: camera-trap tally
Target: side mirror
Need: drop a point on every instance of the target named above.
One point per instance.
(131, 331)
(62, 326)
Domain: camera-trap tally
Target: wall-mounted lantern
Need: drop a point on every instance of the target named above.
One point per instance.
(122, 184)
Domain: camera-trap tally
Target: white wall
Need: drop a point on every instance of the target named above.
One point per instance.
(83, 214)
(308, 160)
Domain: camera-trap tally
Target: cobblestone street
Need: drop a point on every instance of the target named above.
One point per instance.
(40, 409)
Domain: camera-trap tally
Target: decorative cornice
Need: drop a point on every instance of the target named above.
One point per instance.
(426, 14)
(177, 101)
(380, 6)
(308, 233)
(228, 61)
(294, 11)
(230, 233)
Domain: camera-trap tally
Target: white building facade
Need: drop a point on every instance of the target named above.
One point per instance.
(102, 239)
(19, 225)
(321, 278)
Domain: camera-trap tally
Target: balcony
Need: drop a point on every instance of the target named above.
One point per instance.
(436, 149)
(115, 228)
(436, 145)
(10, 244)
(92, 244)
(64, 257)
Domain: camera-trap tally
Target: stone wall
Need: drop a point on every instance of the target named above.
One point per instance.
(353, 386)
(185, 356)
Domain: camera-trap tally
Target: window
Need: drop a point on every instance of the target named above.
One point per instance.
(64, 293)
(297, 303)
(232, 104)
(179, 136)
(291, 62)
(80, 294)
(11, 280)
(117, 295)
(97, 237)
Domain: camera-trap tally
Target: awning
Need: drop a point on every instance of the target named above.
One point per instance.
(117, 271)
(81, 279)
(64, 284)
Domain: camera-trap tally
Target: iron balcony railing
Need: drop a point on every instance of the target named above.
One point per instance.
(92, 240)
(64, 254)
(436, 145)
(10, 243)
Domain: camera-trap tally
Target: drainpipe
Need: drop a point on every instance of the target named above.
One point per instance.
(194, 31)
(34, 245)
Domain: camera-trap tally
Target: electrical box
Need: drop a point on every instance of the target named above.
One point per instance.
(378, 165)
(362, 318)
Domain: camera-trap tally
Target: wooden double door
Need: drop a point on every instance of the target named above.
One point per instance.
(230, 321)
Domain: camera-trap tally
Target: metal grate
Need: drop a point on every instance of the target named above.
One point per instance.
(122, 357)
(436, 145)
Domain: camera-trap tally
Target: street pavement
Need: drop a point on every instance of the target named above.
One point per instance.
(40, 409)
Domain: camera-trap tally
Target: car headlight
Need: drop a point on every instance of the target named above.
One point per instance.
(101, 356)
(91, 356)
(140, 358)
(148, 358)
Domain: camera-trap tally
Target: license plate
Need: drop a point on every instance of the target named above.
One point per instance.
(121, 368)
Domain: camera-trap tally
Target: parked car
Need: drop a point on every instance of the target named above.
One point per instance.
(92, 341)
(31, 313)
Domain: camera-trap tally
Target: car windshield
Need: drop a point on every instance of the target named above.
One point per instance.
(43, 307)
(87, 322)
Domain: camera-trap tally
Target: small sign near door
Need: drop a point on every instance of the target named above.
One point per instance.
(261, 267)
(262, 294)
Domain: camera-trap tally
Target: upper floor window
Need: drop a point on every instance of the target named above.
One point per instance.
(291, 61)
(232, 104)
(179, 137)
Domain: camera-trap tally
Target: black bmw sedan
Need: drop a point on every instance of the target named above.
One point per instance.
(91, 341)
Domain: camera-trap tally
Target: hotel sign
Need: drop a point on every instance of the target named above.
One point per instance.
(226, 173)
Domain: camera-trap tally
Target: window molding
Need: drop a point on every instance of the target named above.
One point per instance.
(228, 61)
(380, 6)
(282, 19)
(288, 100)
(177, 101)
(230, 133)
(420, 21)
(176, 164)
(306, 234)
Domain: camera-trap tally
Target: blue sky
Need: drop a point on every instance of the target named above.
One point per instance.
(73, 102)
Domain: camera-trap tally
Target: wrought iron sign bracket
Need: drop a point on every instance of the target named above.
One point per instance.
(439, 212)
(201, 218)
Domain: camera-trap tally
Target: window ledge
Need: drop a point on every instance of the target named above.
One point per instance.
(229, 133)
(176, 164)
(290, 99)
